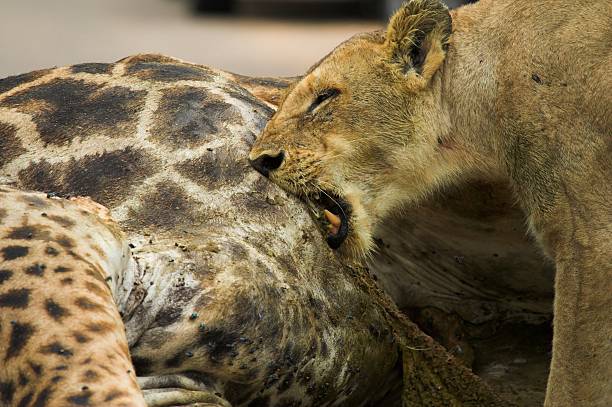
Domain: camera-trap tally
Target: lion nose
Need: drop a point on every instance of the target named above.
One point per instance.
(268, 162)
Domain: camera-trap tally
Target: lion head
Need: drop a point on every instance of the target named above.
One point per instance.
(358, 135)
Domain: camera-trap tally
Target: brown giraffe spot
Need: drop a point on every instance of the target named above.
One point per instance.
(20, 335)
(257, 205)
(106, 369)
(62, 221)
(269, 82)
(25, 400)
(98, 290)
(62, 269)
(43, 397)
(3, 214)
(41, 176)
(10, 146)
(56, 311)
(218, 341)
(36, 368)
(14, 252)
(189, 117)
(108, 178)
(80, 338)
(21, 233)
(15, 298)
(97, 273)
(67, 281)
(90, 376)
(36, 270)
(220, 167)
(13, 81)
(86, 304)
(34, 200)
(30, 232)
(65, 242)
(165, 206)
(51, 251)
(172, 312)
(167, 316)
(5, 275)
(23, 379)
(64, 109)
(261, 110)
(113, 394)
(132, 59)
(177, 359)
(169, 71)
(56, 348)
(93, 68)
(7, 391)
(81, 399)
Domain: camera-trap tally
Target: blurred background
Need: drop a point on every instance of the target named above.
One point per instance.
(255, 37)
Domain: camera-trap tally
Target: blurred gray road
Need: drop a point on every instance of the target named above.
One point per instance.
(36, 34)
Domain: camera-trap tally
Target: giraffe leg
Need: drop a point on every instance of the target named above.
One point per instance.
(62, 340)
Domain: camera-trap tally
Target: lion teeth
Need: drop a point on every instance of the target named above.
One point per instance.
(334, 220)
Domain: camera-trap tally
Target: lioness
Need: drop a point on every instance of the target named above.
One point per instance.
(506, 88)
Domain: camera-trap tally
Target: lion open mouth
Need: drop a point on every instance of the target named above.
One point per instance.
(335, 213)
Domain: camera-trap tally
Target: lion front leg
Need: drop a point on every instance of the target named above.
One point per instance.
(581, 367)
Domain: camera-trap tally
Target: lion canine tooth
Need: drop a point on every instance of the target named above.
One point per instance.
(333, 219)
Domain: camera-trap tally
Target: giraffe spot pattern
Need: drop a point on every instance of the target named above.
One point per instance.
(43, 397)
(93, 68)
(63, 221)
(10, 146)
(64, 109)
(220, 167)
(86, 304)
(168, 72)
(80, 338)
(7, 392)
(14, 252)
(5, 275)
(20, 335)
(82, 399)
(22, 233)
(36, 270)
(14, 81)
(56, 311)
(57, 348)
(166, 206)
(25, 400)
(107, 178)
(17, 298)
(190, 117)
(36, 368)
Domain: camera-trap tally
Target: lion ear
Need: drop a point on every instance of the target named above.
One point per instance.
(417, 37)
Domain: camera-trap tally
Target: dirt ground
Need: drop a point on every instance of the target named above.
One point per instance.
(513, 358)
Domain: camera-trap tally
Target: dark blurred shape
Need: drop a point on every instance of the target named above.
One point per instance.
(304, 8)
(214, 6)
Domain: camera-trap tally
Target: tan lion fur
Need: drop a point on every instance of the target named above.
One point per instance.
(520, 90)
